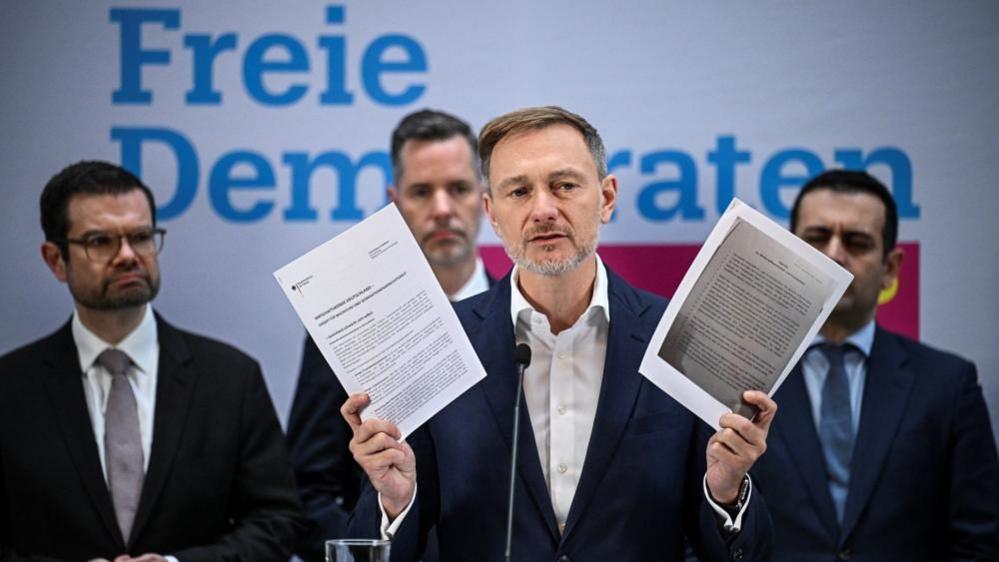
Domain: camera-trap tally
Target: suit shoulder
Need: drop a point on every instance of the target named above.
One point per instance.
(644, 303)
(927, 356)
(208, 349)
(30, 353)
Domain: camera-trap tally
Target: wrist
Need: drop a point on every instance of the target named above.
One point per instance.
(393, 507)
(734, 500)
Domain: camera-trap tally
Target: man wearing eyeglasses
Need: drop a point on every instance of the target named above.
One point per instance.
(121, 437)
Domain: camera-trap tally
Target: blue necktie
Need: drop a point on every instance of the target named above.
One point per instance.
(836, 427)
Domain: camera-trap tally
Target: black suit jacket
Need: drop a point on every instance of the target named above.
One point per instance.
(924, 483)
(318, 438)
(218, 486)
(640, 491)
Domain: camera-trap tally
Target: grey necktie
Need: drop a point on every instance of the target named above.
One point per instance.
(836, 426)
(122, 441)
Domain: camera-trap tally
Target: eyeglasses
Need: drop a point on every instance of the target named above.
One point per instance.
(103, 247)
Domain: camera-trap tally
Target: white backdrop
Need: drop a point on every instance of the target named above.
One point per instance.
(667, 84)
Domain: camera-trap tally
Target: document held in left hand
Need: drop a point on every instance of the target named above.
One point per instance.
(372, 304)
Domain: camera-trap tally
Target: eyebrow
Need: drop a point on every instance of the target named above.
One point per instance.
(94, 231)
(570, 173)
(514, 180)
(847, 232)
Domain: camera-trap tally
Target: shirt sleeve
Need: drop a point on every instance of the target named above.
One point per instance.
(729, 524)
(389, 529)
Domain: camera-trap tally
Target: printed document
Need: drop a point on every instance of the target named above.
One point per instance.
(372, 304)
(745, 312)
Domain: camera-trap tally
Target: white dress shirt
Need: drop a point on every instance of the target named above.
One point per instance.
(143, 348)
(562, 386)
(477, 283)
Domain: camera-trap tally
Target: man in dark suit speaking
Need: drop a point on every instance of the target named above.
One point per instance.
(610, 467)
(122, 437)
(883, 449)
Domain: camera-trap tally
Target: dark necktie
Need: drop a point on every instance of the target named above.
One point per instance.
(836, 427)
(122, 441)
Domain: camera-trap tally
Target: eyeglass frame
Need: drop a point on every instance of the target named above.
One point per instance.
(157, 234)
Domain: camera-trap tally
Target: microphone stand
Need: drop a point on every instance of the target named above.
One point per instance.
(522, 356)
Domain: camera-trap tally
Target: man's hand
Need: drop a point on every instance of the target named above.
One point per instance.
(736, 446)
(389, 463)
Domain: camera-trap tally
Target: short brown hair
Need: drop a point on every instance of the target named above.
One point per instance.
(539, 118)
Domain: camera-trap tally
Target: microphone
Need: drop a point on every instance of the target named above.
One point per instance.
(522, 357)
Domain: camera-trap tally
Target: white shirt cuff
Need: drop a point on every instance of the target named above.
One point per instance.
(388, 530)
(169, 558)
(730, 525)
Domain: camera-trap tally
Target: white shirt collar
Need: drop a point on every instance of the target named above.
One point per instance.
(140, 345)
(599, 301)
(477, 283)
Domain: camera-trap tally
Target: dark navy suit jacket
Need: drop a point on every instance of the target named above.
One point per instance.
(924, 481)
(640, 490)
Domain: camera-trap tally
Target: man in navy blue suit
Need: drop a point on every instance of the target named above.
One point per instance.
(610, 467)
(438, 191)
(883, 450)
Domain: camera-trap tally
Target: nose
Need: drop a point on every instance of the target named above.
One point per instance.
(126, 253)
(543, 208)
(442, 205)
(835, 250)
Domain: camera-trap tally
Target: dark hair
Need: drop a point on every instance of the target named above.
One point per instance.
(430, 125)
(539, 118)
(91, 177)
(854, 181)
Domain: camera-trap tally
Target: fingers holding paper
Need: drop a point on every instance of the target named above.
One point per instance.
(734, 448)
(388, 461)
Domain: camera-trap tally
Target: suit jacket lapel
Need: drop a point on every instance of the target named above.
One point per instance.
(626, 343)
(795, 427)
(886, 394)
(175, 383)
(494, 342)
(64, 384)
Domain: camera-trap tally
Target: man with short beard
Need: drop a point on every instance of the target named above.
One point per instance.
(609, 466)
(122, 437)
(438, 190)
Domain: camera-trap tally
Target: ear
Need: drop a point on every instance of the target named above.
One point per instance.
(893, 263)
(392, 194)
(487, 206)
(608, 198)
(53, 259)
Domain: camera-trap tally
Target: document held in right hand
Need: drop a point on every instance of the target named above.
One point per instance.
(745, 312)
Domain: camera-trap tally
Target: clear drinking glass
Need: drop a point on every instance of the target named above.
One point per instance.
(357, 550)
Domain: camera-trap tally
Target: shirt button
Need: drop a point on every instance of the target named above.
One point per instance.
(563, 355)
(561, 410)
(562, 468)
